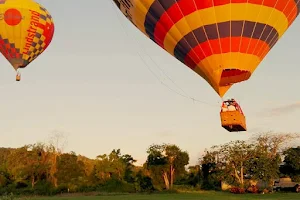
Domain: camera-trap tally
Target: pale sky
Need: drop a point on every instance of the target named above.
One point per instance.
(92, 85)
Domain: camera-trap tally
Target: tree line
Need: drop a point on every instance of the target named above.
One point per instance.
(43, 169)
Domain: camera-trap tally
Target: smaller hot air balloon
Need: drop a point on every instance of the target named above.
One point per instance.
(26, 30)
(232, 116)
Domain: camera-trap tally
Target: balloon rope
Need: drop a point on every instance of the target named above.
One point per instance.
(156, 76)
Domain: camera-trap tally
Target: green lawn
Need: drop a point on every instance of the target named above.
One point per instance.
(191, 196)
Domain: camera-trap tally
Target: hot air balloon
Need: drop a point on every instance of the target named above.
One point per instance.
(26, 30)
(221, 40)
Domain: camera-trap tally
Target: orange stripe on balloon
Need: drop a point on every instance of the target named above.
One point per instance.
(203, 50)
(180, 9)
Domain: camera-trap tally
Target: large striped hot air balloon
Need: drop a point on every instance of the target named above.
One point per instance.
(222, 40)
(26, 30)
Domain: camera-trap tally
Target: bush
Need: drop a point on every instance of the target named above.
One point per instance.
(9, 196)
(185, 188)
(43, 188)
(11, 188)
(237, 190)
(87, 188)
(117, 186)
(3, 180)
(145, 184)
(211, 184)
(296, 178)
(61, 189)
(253, 189)
(265, 191)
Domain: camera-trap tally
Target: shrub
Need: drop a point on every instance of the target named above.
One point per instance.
(11, 188)
(145, 184)
(61, 189)
(253, 189)
(43, 188)
(87, 188)
(117, 186)
(265, 191)
(185, 188)
(9, 196)
(237, 190)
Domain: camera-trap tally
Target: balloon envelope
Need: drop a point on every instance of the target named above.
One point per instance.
(26, 30)
(222, 40)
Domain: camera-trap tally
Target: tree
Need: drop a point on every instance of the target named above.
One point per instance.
(232, 160)
(193, 176)
(169, 160)
(5, 177)
(4, 153)
(29, 162)
(211, 168)
(129, 161)
(269, 147)
(273, 142)
(55, 149)
(112, 166)
(70, 170)
(264, 165)
(89, 167)
(143, 182)
(291, 166)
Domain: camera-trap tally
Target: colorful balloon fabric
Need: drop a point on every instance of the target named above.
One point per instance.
(222, 40)
(26, 30)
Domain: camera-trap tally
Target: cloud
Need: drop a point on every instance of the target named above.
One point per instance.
(286, 109)
(166, 133)
(255, 129)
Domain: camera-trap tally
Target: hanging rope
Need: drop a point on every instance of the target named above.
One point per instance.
(183, 94)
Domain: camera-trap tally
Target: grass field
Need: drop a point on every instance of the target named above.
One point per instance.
(187, 196)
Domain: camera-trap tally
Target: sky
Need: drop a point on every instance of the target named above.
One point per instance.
(92, 85)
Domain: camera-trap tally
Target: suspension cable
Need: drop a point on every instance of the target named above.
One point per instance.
(149, 68)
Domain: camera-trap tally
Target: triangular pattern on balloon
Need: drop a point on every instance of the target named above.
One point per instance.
(26, 30)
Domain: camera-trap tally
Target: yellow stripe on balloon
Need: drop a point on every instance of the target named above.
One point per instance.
(243, 11)
(232, 60)
(221, 90)
(140, 11)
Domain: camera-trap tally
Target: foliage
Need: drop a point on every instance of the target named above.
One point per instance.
(70, 171)
(212, 173)
(9, 196)
(291, 165)
(166, 163)
(115, 185)
(253, 189)
(44, 169)
(144, 183)
(179, 196)
(237, 190)
(227, 162)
